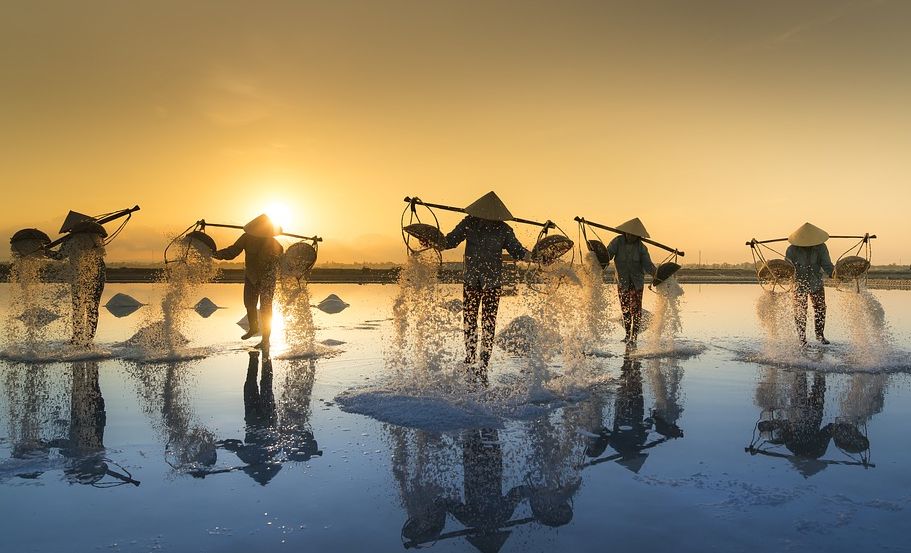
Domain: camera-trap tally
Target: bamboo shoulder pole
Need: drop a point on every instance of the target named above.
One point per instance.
(646, 240)
(418, 201)
(202, 223)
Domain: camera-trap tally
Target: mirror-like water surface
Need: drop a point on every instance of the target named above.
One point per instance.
(712, 449)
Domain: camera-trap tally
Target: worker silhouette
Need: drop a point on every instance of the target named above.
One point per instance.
(85, 271)
(486, 235)
(262, 253)
(631, 261)
(810, 256)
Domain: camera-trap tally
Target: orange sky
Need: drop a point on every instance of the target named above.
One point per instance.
(712, 121)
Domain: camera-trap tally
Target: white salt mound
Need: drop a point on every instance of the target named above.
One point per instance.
(332, 304)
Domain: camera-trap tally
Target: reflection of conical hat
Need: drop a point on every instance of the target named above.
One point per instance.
(635, 227)
(489, 206)
(808, 235)
(263, 227)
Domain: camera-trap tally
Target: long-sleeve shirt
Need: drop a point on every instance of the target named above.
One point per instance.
(261, 259)
(632, 261)
(485, 241)
(809, 263)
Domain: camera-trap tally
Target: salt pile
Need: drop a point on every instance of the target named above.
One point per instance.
(332, 304)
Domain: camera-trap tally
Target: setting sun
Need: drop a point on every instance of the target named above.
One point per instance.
(281, 215)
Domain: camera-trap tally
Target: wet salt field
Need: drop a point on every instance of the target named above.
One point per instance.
(726, 440)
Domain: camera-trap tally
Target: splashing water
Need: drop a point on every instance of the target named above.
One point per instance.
(34, 304)
(554, 305)
(162, 331)
(864, 397)
(598, 304)
(164, 395)
(868, 332)
(665, 323)
(423, 352)
(775, 314)
(300, 333)
(664, 378)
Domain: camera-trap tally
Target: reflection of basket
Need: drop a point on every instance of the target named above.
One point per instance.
(427, 234)
(851, 267)
(776, 270)
(550, 248)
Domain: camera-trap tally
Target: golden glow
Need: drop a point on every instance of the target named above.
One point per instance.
(713, 123)
(281, 215)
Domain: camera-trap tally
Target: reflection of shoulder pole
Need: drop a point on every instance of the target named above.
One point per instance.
(416, 201)
(646, 240)
(203, 224)
(755, 450)
(467, 532)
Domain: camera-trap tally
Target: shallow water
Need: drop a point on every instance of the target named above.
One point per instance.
(643, 451)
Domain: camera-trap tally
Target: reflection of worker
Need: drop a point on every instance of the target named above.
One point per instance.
(632, 261)
(261, 441)
(803, 432)
(84, 250)
(262, 254)
(486, 235)
(629, 434)
(810, 256)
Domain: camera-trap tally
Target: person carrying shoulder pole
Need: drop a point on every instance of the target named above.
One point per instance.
(262, 254)
(631, 261)
(84, 250)
(810, 256)
(486, 235)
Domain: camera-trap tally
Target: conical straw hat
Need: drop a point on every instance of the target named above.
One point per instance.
(73, 218)
(490, 207)
(808, 235)
(634, 227)
(263, 227)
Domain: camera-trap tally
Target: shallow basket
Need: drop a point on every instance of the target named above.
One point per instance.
(776, 270)
(851, 267)
(598, 248)
(428, 235)
(28, 241)
(550, 248)
(201, 241)
(665, 271)
(298, 259)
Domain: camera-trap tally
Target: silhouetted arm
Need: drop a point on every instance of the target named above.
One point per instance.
(647, 265)
(825, 261)
(513, 246)
(233, 250)
(791, 254)
(458, 234)
(612, 248)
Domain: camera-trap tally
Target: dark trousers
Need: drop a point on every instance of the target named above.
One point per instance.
(86, 296)
(259, 294)
(631, 307)
(487, 300)
(818, 298)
